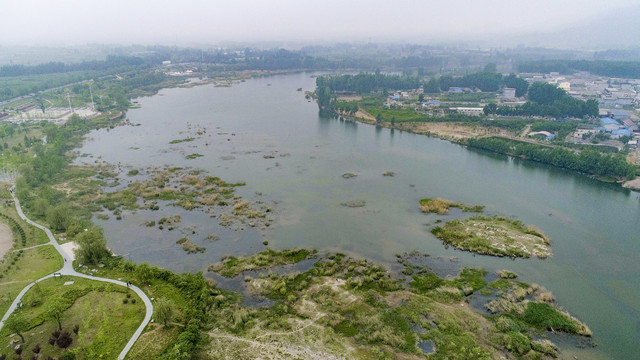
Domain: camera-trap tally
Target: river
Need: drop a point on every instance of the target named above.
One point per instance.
(594, 227)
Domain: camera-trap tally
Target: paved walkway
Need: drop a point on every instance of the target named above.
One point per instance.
(68, 270)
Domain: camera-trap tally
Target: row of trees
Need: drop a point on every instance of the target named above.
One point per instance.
(364, 83)
(625, 69)
(588, 161)
(111, 62)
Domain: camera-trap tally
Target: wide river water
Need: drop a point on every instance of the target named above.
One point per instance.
(594, 227)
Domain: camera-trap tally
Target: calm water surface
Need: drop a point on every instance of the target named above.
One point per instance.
(594, 227)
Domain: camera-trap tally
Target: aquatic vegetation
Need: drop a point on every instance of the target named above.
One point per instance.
(189, 246)
(441, 206)
(349, 175)
(231, 266)
(497, 236)
(354, 203)
(190, 189)
(193, 156)
(343, 307)
(181, 140)
(389, 173)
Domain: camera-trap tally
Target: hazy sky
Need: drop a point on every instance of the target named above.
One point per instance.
(65, 22)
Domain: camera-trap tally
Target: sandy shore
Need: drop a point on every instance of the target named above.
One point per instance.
(6, 239)
(70, 247)
(632, 184)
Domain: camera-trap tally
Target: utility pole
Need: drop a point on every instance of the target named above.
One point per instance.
(91, 92)
(69, 100)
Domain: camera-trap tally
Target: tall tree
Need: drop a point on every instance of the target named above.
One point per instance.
(92, 246)
(17, 324)
(55, 310)
(164, 311)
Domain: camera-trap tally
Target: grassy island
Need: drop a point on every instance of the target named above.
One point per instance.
(441, 206)
(497, 236)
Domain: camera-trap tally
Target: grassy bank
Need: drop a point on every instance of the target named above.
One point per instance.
(106, 316)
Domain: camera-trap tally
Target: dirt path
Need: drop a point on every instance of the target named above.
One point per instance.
(526, 130)
(6, 239)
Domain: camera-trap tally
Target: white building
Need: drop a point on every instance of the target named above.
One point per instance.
(475, 111)
(509, 93)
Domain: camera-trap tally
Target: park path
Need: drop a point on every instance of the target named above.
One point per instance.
(68, 270)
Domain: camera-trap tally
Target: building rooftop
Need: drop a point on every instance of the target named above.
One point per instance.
(608, 120)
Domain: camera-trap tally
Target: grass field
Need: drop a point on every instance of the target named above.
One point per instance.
(107, 315)
(18, 270)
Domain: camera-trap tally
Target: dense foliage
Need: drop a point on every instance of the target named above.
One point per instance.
(364, 83)
(626, 69)
(588, 161)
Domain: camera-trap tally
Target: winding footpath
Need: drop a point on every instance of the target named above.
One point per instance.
(68, 270)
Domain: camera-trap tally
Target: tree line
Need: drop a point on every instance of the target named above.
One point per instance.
(111, 62)
(625, 69)
(588, 161)
(364, 83)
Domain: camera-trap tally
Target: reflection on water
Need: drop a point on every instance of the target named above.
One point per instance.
(593, 226)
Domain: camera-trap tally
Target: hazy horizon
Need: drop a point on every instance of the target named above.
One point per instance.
(63, 23)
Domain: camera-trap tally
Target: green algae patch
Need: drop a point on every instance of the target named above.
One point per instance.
(497, 236)
(193, 156)
(178, 141)
(441, 206)
(231, 266)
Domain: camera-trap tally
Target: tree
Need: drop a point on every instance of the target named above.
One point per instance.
(164, 311)
(379, 118)
(55, 310)
(58, 217)
(490, 108)
(92, 246)
(144, 273)
(40, 207)
(16, 324)
(421, 98)
(393, 121)
(490, 67)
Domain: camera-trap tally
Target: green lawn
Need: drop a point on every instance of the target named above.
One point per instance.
(17, 271)
(105, 322)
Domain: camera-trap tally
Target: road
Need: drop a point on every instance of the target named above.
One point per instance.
(68, 270)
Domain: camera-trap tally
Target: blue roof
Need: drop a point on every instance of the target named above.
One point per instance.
(621, 132)
(551, 136)
(608, 120)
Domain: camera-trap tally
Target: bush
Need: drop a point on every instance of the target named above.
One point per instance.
(543, 315)
(125, 301)
(65, 340)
